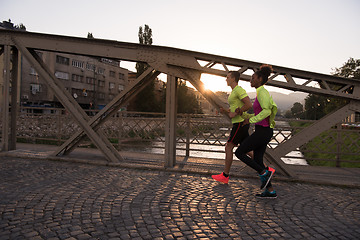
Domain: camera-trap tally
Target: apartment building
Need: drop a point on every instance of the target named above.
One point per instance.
(92, 82)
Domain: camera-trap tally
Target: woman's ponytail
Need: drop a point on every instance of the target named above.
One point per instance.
(264, 73)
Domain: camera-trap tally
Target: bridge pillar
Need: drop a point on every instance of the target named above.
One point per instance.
(15, 91)
(5, 95)
(170, 123)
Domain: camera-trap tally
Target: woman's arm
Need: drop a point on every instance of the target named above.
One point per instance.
(263, 98)
(247, 105)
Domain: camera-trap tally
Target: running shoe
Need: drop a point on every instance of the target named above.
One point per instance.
(265, 178)
(267, 194)
(221, 178)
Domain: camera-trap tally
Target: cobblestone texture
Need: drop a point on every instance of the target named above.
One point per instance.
(57, 200)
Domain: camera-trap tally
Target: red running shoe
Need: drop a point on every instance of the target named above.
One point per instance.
(221, 178)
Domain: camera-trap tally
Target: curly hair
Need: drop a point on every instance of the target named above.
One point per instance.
(264, 73)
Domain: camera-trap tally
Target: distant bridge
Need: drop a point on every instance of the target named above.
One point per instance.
(176, 63)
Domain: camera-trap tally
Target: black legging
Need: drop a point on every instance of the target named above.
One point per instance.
(256, 142)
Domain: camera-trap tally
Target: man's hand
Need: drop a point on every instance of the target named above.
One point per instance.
(232, 114)
(222, 110)
(239, 111)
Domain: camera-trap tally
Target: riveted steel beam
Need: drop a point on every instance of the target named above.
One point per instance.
(158, 57)
(111, 108)
(68, 102)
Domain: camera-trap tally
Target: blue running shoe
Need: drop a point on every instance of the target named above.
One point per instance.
(267, 194)
(265, 178)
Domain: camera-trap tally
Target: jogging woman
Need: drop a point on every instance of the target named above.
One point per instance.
(239, 103)
(264, 113)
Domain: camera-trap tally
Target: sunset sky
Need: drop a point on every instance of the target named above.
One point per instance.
(312, 35)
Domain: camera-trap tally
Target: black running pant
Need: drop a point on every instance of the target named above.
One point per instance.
(256, 142)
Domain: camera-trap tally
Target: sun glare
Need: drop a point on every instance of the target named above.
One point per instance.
(214, 83)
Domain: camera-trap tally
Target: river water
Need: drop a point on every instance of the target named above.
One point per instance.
(209, 151)
(217, 152)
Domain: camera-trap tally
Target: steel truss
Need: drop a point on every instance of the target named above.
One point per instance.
(176, 63)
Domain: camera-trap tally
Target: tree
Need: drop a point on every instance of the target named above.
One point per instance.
(314, 106)
(145, 101)
(90, 35)
(318, 106)
(297, 110)
(350, 69)
(145, 37)
(186, 101)
(20, 27)
(288, 114)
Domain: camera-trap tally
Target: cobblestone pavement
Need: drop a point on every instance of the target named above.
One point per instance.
(57, 200)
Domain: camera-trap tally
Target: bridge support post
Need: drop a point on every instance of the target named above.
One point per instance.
(170, 123)
(5, 100)
(15, 91)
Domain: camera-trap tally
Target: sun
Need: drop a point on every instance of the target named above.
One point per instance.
(214, 83)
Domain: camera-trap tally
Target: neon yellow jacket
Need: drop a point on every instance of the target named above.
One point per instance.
(269, 107)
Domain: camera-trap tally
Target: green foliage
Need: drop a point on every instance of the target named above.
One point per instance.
(288, 114)
(186, 102)
(350, 69)
(318, 106)
(20, 27)
(145, 37)
(90, 35)
(324, 147)
(296, 111)
(145, 100)
(149, 100)
(300, 124)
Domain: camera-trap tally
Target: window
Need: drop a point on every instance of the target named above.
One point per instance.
(62, 75)
(33, 72)
(111, 97)
(90, 80)
(121, 87)
(77, 78)
(90, 67)
(78, 64)
(62, 60)
(121, 76)
(112, 74)
(35, 88)
(111, 62)
(101, 95)
(101, 83)
(111, 85)
(101, 71)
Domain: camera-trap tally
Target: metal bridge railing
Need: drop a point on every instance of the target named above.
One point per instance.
(207, 134)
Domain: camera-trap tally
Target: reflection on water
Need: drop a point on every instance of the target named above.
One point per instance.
(282, 132)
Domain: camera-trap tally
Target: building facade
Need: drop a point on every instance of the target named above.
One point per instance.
(92, 82)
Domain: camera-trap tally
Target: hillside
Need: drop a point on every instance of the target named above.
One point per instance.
(284, 101)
